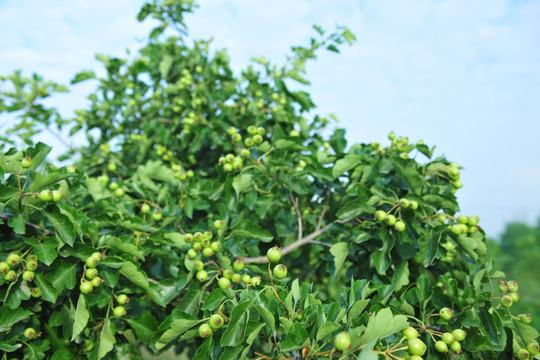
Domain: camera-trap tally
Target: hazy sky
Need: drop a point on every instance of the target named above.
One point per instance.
(463, 75)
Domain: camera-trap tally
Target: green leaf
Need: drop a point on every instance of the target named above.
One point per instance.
(407, 170)
(492, 327)
(9, 317)
(242, 182)
(18, 224)
(48, 292)
(345, 164)
(352, 209)
(62, 225)
(177, 328)
(213, 300)
(165, 65)
(127, 248)
(64, 276)
(252, 231)
(382, 325)
(45, 250)
(82, 76)
(326, 329)
(145, 326)
(296, 338)
(106, 339)
(40, 182)
(234, 335)
(339, 251)
(191, 301)
(80, 318)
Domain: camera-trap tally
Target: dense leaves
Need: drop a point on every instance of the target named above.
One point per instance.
(189, 175)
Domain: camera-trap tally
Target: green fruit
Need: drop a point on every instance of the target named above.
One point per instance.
(273, 254)
(459, 334)
(4, 267)
(96, 282)
(207, 252)
(255, 281)
(202, 275)
(57, 196)
(473, 221)
(29, 333)
(198, 265)
(280, 271)
(237, 137)
(238, 265)
(46, 195)
(119, 311)
(533, 349)
(188, 238)
(205, 243)
(196, 246)
(392, 135)
(216, 321)
(156, 216)
(13, 260)
(190, 174)
(91, 262)
(32, 257)
(249, 142)
(205, 331)
(224, 283)
(441, 346)
(506, 301)
(228, 273)
(28, 276)
(456, 229)
(455, 347)
(122, 299)
(252, 130)
(414, 205)
(410, 333)
(514, 296)
(446, 313)
(35, 292)
(259, 139)
(261, 131)
(11, 275)
(512, 286)
(26, 162)
(246, 279)
(342, 341)
(448, 338)
(114, 186)
(231, 130)
(111, 167)
(218, 224)
(399, 226)
(416, 347)
(215, 246)
(91, 274)
(463, 219)
(236, 278)
(525, 318)
(380, 215)
(191, 254)
(119, 192)
(294, 133)
(390, 220)
(502, 286)
(405, 203)
(415, 357)
(145, 208)
(86, 287)
(522, 354)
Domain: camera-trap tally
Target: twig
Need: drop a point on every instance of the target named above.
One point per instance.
(33, 226)
(298, 215)
(322, 214)
(295, 245)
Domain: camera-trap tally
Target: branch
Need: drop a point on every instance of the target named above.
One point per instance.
(310, 239)
(33, 226)
(298, 215)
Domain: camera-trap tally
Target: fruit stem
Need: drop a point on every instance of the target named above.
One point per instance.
(275, 291)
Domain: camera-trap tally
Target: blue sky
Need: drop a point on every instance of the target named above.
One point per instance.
(462, 75)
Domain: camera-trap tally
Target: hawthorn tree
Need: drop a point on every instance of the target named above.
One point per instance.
(209, 216)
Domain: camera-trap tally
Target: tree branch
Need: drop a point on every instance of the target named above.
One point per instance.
(33, 226)
(310, 239)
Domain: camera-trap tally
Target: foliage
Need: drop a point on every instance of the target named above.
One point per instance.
(190, 175)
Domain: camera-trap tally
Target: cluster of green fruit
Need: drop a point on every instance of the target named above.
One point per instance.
(400, 144)
(450, 341)
(191, 119)
(531, 350)
(90, 279)
(201, 242)
(180, 174)
(166, 155)
(451, 251)
(9, 269)
(390, 219)
(231, 276)
(415, 346)
(453, 173)
(118, 191)
(510, 295)
(50, 196)
(120, 309)
(230, 162)
(301, 165)
(138, 137)
(465, 225)
(145, 209)
(215, 322)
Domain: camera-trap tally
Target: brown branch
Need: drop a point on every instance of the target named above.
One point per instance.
(33, 226)
(322, 214)
(310, 239)
(298, 215)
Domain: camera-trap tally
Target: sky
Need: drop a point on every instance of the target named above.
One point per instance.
(462, 75)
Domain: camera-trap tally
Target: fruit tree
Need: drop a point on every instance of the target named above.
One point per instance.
(213, 216)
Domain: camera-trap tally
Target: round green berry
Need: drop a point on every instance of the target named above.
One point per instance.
(448, 338)
(205, 331)
(446, 313)
(416, 347)
(238, 265)
(216, 321)
(280, 271)
(119, 311)
(202, 275)
(459, 334)
(273, 254)
(86, 287)
(28, 275)
(224, 283)
(29, 333)
(122, 299)
(13, 260)
(342, 341)
(441, 346)
(410, 333)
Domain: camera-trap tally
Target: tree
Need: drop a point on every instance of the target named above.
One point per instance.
(157, 238)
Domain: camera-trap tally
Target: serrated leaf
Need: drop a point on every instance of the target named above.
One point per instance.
(106, 339)
(242, 182)
(345, 164)
(326, 329)
(64, 276)
(18, 224)
(213, 300)
(9, 317)
(61, 224)
(80, 318)
(236, 329)
(45, 250)
(339, 251)
(48, 292)
(145, 326)
(382, 325)
(252, 231)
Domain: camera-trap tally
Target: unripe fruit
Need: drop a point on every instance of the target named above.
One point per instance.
(399, 226)
(514, 296)
(502, 286)
(448, 338)
(273, 254)
(29, 333)
(446, 313)
(231, 130)
(236, 278)
(249, 142)
(252, 130)
(533, 349)
(91, 262)
(32, 257)
(208, 235)
(35, 292)
(473, 221)
(404, 202)
(463, 219)
(228, 273)
(216, 321)
(205, 242)
(13, 260)
(97, 281)
(156, 216)
(294, 133)
(380, 215)
(414, 205)
(238, 265)
(455, 347)
(218, 224)
(246, 279)
(202, 275)
(459, 334)
(207, 252)
(46, 195)
(280, 271)
(215, 246)
(57, 196)
(512, 286)
(255, 281)
(191, 254)
(196, 246)
(261, 131)
(188, 238)
(198, 265)
(205, 331)
(145, 208)
(111, 167)
(91, 274)
(114, 186)
(190, 174)
(122, 299)
(342, 341)
(237, 137)
(415, 357)
(86, 287)
(10, 275)
(506, 301)
(28, 276)
(410, 333)
(26, 162)
(441, 346)
(390, 220)
(119, 311)
(525, 318)
(4, 267)
(392, 135)
(416, 347)
(224, 283)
